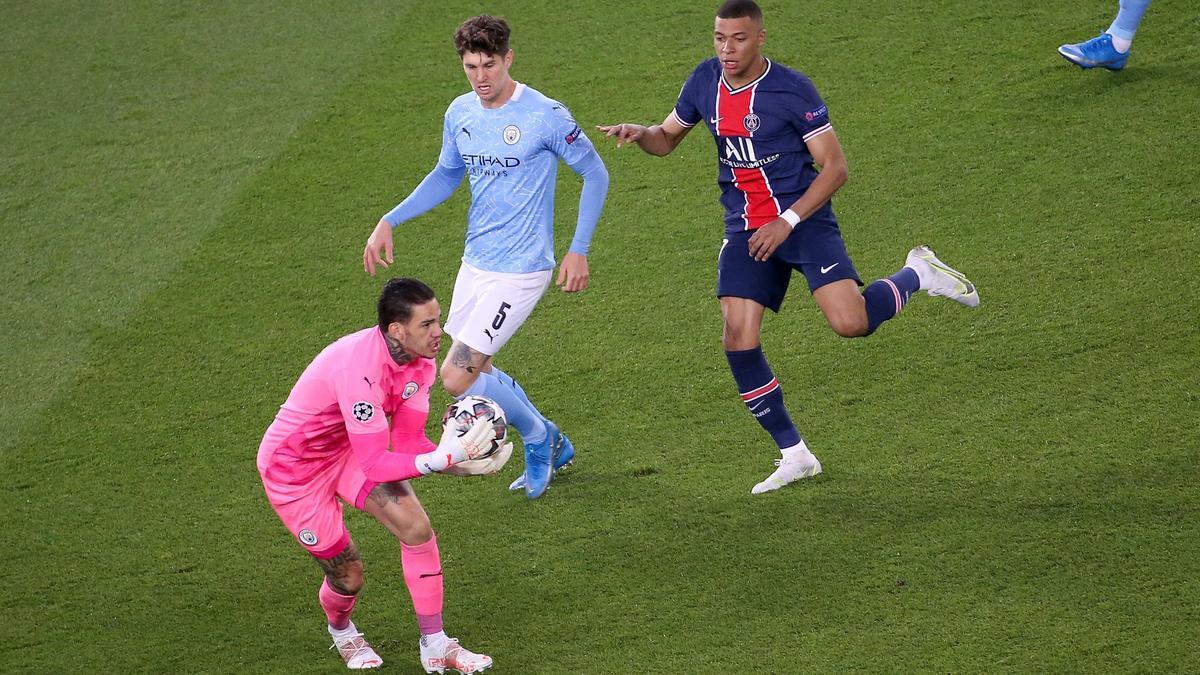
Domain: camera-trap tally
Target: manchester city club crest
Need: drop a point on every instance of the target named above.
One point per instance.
(512, 134)
(409, 389)
(307, 537)
(751, 122)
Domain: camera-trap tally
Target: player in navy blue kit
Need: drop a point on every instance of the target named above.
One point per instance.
(772, 129)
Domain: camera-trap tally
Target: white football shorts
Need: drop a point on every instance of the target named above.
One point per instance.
(489, 307)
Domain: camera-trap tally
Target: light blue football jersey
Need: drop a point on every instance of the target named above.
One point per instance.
(511, 158)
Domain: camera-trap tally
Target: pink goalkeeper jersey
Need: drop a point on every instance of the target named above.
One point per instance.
(340, 405)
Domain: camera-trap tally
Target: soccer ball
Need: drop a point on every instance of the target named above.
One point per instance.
(462, 413)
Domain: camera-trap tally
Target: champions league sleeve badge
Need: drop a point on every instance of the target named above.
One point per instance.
(363, 411)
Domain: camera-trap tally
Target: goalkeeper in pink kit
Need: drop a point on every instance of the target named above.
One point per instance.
(330, 442)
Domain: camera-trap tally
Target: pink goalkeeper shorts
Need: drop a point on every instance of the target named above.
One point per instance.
(311, 510)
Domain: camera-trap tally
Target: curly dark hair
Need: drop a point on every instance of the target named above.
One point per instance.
(483, 34)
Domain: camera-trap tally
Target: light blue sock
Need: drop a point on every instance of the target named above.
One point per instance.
(1128, 18)
(521, 414)
(512, 382)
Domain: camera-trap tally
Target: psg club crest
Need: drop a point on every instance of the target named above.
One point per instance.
(751, 122)
(512, 134)
(363, 411)
(409, 390)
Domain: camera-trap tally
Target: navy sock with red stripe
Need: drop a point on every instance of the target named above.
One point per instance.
(886, 297)
(762, 394)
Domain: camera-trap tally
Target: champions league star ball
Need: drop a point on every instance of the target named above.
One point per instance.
(463, 412)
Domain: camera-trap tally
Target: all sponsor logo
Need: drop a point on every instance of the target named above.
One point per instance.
(490, 160)
(489, 165)
(739, 149)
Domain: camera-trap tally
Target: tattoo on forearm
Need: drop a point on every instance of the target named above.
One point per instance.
(400, 356)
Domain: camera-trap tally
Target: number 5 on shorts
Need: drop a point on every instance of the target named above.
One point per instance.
(500, 316)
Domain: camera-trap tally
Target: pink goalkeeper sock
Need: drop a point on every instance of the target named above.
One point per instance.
(337, 606)
(423, 574)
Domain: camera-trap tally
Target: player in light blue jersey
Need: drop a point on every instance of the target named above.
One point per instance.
(507, 139)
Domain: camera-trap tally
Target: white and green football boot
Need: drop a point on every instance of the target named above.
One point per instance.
(939, 279)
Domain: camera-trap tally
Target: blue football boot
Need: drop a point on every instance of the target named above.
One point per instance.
(562, 452)
(538, 469)
(1098, 51)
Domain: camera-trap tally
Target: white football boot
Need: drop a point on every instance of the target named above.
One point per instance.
(939, 279)
(790, 470)
(355, 651)
(440, 655)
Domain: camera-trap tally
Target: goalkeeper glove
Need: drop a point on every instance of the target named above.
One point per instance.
(475, 443)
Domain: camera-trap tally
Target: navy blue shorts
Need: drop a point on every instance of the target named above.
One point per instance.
(815, 249)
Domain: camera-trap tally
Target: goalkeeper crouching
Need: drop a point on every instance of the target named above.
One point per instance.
(330, 441)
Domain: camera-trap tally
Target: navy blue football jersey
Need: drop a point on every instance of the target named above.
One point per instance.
(760, 130)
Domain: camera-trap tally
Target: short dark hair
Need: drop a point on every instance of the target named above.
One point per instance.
(398, 298)
(484, 34)
(739, 9)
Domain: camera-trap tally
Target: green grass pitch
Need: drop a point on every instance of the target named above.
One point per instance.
(185, 190)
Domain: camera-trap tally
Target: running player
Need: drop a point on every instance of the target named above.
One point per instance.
(771, 128)
(507, 139)
(330, 440)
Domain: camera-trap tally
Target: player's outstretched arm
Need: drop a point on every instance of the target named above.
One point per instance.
(660, 139)
(436, 188)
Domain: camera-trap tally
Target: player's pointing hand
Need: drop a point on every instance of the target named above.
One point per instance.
(380, 240)
(624, 133)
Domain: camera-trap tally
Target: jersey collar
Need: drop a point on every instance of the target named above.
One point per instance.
(520, 89)
(746, 86)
